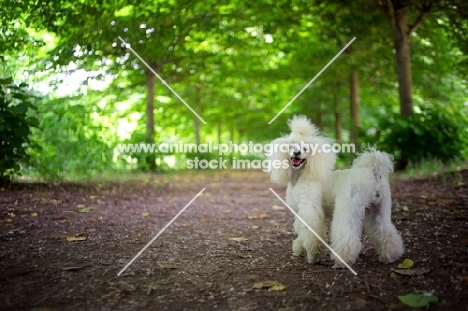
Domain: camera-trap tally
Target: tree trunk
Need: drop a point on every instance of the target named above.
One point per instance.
(196, 122)
(150, 85)
(398, 14)
(337, 113)
(318, 114)
(354, 98)
(338, 125)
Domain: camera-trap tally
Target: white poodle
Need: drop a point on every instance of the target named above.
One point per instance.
(353, 196)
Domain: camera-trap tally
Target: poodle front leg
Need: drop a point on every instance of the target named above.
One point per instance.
(346, 230)
(297, 246)
(315, 218)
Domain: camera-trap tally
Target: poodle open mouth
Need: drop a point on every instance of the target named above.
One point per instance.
(297, 162)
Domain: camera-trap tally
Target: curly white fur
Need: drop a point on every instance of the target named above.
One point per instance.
(355, 197)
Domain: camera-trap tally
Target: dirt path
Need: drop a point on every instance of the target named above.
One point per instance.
(216, 255)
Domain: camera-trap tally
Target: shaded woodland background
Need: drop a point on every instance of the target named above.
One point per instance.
(71, 91)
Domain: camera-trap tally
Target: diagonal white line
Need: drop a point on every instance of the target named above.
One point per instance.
(159, 233)
(127, 45)
(311, 81)
(312, 230)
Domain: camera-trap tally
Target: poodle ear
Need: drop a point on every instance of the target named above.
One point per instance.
(322, 159)
(278, 157)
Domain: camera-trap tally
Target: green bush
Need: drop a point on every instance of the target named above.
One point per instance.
(15, 128)
(432, 134)
(70, 141)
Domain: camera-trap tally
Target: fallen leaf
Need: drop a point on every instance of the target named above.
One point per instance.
(11, 214)
(227, 211)
(83, 210)
(406, 264)
(34, 214)
(418, 300)
(255, 227)
(72, 268)
(359, 303)
(278, 208)
(463, 277)
(261, 217)
(169, 266)
(92, 197)
(271, 285)
(244, 255)
(412, 272)
(145, 214)
(238, 239)
(278, 287)
(75, 238)
(54, 201)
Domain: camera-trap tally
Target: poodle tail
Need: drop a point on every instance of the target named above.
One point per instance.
(380, 163)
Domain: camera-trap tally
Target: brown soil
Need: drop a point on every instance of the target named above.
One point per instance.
(196, 265)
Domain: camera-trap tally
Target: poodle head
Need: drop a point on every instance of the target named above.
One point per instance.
(303, 149)
(298, 153)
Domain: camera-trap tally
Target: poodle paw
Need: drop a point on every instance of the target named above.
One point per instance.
(297, 247)
(338, 265)
(313, 258)
(389, 258)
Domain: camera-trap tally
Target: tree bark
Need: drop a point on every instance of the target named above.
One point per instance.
(150, 128)
(397, 11)
(338, 125)
(354, 99)
(196, 122)
(401, 38)
(337, 113)
(318, 113)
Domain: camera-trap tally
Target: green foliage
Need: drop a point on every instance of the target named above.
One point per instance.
(15, 127)
(237, 64)
(433, 133)
(71, 141)
(418, 300)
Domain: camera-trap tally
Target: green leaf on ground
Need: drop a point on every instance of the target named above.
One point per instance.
(406, 264)
(418, 300)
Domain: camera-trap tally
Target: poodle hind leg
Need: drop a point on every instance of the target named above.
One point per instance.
(382, 232)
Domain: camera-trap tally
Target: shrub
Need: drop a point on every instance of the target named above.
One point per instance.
(433, 133)
(15, 128)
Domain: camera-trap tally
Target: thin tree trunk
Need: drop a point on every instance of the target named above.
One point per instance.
(402, 48)
(337, 113)
(196, 128)
(318, 115)
(397, 12)
(150, 85)
(338, 125)
(196, 122)
(354, 98)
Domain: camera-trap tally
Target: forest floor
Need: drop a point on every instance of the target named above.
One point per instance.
(63, 244)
